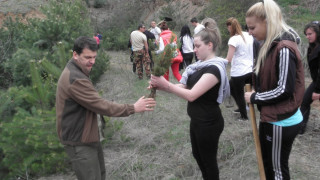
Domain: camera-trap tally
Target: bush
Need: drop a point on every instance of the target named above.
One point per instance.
(30, 144)
(99, 3)
(100, 66)
(10, 35)
(117, 38)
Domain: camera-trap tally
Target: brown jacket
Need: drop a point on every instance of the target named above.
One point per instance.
(77, 106)
(268, 79)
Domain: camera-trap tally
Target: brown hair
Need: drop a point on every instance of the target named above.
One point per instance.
(210, 33)
(235, 27)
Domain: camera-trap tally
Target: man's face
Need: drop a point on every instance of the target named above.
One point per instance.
(143, 29)
(85, 60)
(153, 24)
(194, 24)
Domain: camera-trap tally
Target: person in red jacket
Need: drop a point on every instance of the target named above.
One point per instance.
(165, 37)
(97, 39)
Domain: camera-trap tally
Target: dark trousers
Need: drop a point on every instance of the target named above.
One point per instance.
(237, 91)
(276, 144)
(87, 161)
(306, 104)
(187, 60)
(204, 142)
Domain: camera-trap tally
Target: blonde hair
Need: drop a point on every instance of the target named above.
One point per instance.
(210, 33)
(235, 27)
(270, 12)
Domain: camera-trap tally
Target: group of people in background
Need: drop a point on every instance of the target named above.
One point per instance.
(266, 56)
(161, 36)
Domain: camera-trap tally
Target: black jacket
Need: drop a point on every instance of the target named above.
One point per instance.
(314, 65)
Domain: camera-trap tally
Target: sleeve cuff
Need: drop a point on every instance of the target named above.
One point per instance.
(252, 98)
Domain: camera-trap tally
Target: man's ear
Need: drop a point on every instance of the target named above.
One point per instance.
(75, 55)
(210, 45)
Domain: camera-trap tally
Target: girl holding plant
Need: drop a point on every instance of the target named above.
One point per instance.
(204, 84)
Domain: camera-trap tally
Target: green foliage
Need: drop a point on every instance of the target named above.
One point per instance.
(169, 11)
(65, 21)
(285, 3)
(87, 2)
(162, 61)
(100, 66)
(10, 34)
(152, 45)
(116, 38)
(42, 94)
(19, 63)
(30, 144)
(99, 3)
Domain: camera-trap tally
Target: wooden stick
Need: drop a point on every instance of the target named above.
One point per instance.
(256, 137)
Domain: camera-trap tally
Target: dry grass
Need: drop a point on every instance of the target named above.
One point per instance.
(156, 145)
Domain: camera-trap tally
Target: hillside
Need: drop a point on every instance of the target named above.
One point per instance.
(102, 16)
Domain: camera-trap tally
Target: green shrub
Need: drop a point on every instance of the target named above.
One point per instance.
(285, 3)
(100, 66)
(19, 65)
(10, 35)
(117, 38)
(99, 3)
(30, 144)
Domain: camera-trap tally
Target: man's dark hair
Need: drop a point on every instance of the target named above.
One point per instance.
(85, 42)
(140, 26)
(194, 20)
(164, 26)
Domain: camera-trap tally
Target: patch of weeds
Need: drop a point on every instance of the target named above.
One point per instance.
(226, 150)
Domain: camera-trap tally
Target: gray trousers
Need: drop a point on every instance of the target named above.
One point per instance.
(87, 161)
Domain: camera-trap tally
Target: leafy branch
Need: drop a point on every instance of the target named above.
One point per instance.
(162, 62)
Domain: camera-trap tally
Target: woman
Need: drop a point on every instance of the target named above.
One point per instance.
(240, 54)
(186, 46)
(279, 86)
(204, 85)
(312, 32)
(165, 38)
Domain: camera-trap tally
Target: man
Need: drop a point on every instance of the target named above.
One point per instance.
(150, 36)
(198, 26)
(77, 106)
(140, 51)
(155, 30)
